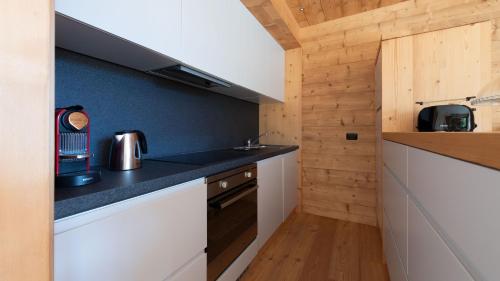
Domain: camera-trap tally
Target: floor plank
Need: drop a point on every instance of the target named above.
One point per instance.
(309, 247)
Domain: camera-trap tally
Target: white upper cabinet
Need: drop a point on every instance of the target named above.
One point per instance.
(222, 37)
(155, 24)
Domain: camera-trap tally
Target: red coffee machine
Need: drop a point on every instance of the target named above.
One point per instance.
(72, 151)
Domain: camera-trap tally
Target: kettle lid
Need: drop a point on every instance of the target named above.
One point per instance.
(124, 132)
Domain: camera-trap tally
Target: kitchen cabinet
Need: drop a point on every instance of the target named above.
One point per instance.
(429, 258)
(224, 39)
(437, 215)
(154, 24)
(395, 158)
(270, 197)
(277, 193)
(195, 270)
(462, 199)
(395, 207)
(290, 182)
(144, 238)
(217, 38)
(394, 264)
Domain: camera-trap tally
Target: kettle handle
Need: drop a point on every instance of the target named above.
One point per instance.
(142, 141)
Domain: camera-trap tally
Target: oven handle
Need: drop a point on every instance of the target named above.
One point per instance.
(232, 200)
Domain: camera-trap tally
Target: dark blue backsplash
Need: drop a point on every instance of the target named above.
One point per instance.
(174, 117)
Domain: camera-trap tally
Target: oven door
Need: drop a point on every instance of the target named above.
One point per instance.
(232, 226)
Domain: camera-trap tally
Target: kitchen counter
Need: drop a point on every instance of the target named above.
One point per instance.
(154, 175)
(478, 148)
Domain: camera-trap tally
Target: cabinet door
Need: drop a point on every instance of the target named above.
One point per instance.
(155, 24)
(463, 200)
(222, 37)
(396, 160)
(196, 270)
(270, 196)
(395, 207)
(429, 258)
(394, 264)
(144, 238)
(290, 182)
(204, 38)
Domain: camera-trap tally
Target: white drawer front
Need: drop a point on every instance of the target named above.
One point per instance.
(395, 207)
(394, 265)
(429, 258)
(463, 199)
(395, 158)
(148, 240)
(196, 270)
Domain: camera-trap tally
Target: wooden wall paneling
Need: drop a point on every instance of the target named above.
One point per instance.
(26, 188)
(495, 67)
(270, 18)
(434, 66)
(338, 97)
(397, 85)
(283, 121)
(453, 63)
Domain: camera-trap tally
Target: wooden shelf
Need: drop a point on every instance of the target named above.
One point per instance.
(478, 148)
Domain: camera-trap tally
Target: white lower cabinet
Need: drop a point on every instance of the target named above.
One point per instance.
(429, 258)
(442, 222)
(395, 208)
(150, 237)
(290, 182)
(196, 270)
(270, 197)
(394, 264)
(463, 199)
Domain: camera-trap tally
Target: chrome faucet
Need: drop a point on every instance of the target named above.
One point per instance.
(251, 142)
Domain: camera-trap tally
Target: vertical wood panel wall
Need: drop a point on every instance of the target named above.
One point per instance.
(435, 67)
(338, 86)
(26, 118)
(337, 98)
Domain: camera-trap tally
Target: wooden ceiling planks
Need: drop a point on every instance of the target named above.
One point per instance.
(311, 12)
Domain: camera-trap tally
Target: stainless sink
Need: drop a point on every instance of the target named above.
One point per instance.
(250, 147)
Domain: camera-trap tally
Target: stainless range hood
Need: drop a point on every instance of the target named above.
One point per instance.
(190, 76)
(80, 37)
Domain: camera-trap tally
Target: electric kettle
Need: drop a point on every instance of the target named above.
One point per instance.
(127, 149)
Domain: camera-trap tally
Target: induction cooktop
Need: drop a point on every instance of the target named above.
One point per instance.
(203, 158)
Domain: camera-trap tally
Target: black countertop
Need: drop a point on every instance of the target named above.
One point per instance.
(155, 175)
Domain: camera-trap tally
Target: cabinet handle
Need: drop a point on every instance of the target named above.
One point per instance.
(223, 184)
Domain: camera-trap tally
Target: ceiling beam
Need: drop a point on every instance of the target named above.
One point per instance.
(276, 17)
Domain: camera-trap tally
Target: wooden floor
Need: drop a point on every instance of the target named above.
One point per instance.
(308, 247)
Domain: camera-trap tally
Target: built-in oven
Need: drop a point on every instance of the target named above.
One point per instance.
(232, 217)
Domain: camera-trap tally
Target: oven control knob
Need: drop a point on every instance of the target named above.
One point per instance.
(223, 184)
(248, 175)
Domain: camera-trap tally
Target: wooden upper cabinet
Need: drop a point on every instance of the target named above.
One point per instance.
(442, 65)
(155, 24)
